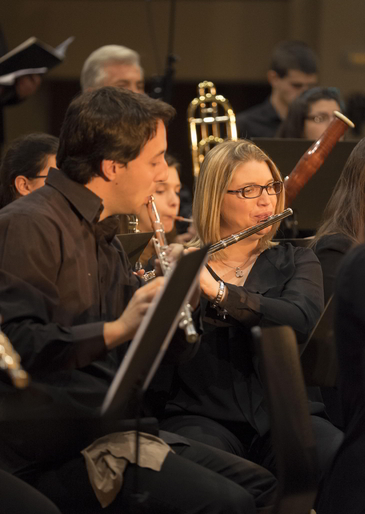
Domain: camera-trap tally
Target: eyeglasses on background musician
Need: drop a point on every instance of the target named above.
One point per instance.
(217, 397)
(293, 69)
(310, 114)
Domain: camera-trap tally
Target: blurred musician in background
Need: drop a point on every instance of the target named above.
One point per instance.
(70, 302)
(343, 224)
(344, 485)
(25, 165)
(113, 65)
(293, 70)
(119, 66)
(310, 114)
(217, 397)
(167, 200)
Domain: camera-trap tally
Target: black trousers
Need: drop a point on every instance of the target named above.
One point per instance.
(196, 479)
(241, 440)
(17, 496)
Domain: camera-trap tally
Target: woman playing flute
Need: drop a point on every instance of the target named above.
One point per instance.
(217, 398)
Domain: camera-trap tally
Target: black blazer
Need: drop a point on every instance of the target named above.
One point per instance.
(222, 381)
(344, 487)
(330, 251)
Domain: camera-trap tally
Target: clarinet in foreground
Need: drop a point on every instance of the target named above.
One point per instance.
(10, 363)
(160, 244)
(234, 238)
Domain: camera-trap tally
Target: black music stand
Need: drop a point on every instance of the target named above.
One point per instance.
(134, 244)
(153, 336)
(31, 419)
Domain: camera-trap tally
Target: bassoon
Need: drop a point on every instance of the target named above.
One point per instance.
(315, 156)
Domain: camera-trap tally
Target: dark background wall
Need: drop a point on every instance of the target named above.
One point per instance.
(226, 41)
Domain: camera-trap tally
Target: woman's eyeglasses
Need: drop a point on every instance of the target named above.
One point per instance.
(254, 190)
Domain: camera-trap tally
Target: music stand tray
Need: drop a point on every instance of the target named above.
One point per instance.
(134, 244)
(154, 334)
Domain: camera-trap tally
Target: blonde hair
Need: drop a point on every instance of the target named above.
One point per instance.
(213, 182)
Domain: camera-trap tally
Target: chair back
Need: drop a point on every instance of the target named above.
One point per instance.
(291, 429)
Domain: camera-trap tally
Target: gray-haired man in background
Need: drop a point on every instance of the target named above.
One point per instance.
(113, 65)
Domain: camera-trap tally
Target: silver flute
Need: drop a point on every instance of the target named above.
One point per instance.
(161, 245)
(234, 238)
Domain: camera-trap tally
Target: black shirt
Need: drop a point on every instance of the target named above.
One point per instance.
(62, 275)
(61, 278)
(222, 382)
(259, 121)
(349, 326)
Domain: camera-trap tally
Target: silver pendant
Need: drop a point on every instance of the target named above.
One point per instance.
(239, 273)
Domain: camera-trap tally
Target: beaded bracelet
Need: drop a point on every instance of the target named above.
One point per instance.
(220, 294)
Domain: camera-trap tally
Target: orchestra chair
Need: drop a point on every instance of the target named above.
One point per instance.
(291, 429)
(19, 497)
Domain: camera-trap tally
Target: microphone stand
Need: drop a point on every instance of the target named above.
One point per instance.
(162, 87)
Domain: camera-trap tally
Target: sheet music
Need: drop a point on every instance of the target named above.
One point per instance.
(155, 332)
(10, 78)
(62, 47)
(59, 53)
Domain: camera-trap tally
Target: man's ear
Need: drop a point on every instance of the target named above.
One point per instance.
(272, 77)
(22, 186)
(108, 170)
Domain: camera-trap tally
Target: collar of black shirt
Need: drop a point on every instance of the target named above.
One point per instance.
(107, 228)
(88, 204)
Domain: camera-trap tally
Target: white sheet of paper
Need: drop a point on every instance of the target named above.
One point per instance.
(62, 47)
(10, 78)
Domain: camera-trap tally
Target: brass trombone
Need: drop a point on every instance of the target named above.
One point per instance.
(208, 112)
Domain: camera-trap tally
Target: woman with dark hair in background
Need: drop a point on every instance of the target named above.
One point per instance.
(25, 165)
(342, 227)
(343, 490)
(310, 114)
(343, 221)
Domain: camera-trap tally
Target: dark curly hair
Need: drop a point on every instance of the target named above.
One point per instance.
(107, 123)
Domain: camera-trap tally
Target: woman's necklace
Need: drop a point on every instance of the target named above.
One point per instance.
(239, 272)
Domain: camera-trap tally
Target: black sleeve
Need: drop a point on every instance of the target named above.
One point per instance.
(349, 326)
(330, 251)
(298, 303)
(29, 295)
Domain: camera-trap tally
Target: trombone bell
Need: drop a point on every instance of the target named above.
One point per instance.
(211, 120)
